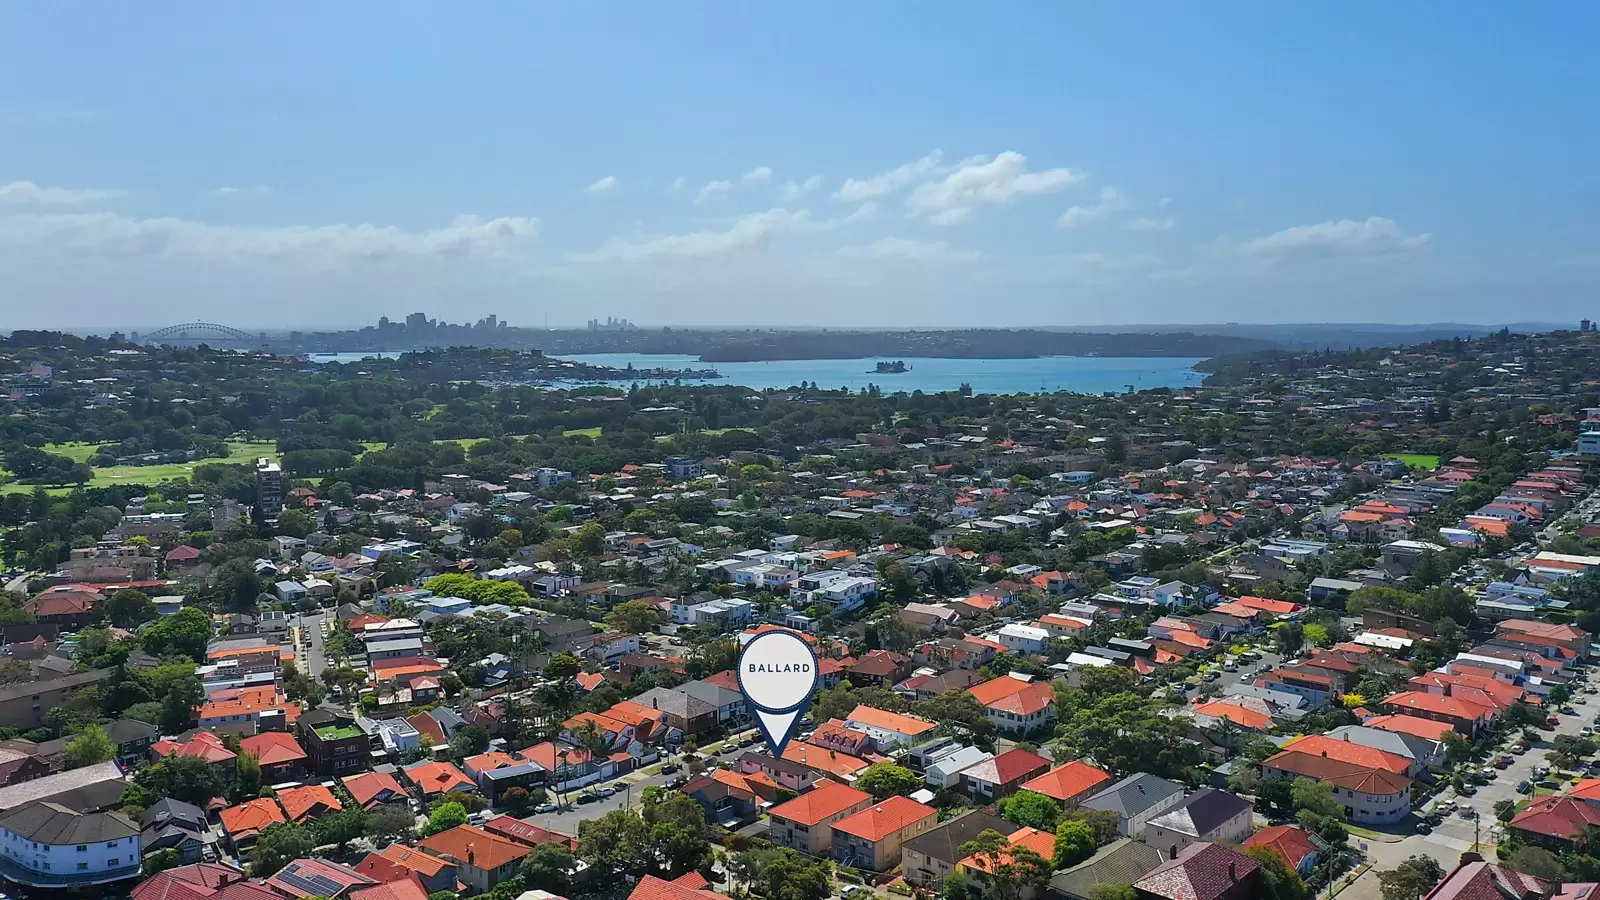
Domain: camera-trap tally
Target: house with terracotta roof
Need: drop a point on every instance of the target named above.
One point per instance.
(1016, 705)
(690, 886)
(1203, 872)
(1070, 783)
(407, 888)
(806, 822)
(726, 796)
(830, 763)
(308, 801)
(871, 838)
(482, 859)
(203, 745)
(245, 822)
(399, 861)
(435, 779)
(1299, 849)
(1001, 776)
(1555, 823)
(1370, 789)
(1465, 716)
(1570, 638)
(1417, 726)
(280, 755)
(888, 729)
(371, 790)
(981, 868)
(527, 833)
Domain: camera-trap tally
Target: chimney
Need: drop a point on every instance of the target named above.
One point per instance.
(1233, 872)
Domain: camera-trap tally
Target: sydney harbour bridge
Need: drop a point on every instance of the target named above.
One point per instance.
(191, 334)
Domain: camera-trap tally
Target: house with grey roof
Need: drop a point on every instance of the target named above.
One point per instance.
(104, 845)
(729, 704)
(929, 858)
(1122, 861)
(1205, 815)
(1423, 753)
(1136, 800)
(685, 713)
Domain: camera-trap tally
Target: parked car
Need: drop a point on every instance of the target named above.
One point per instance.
(607, 792)
(670, 768)
(545, 808)
(1423, 828)
(1502, 761)
(1568, 710)
(588, 798)
(1524, 787)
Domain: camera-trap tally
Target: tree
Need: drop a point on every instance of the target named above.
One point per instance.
(1291, 636)
(515, 800)
(162, 860)
(1411, 879)
(247, 782)
(129, 608)
(775, 873)
(1282, 882)
(1568, 749)
(1457, 749)
(563, 665)
(1538, 862)
(340, 827)
(445, 817)
(886, 779)
(548, 867)
(296, 523)
(635, 617)
(1126, 733)
(470, 741)
(280, 844)
(390, 821)
(1505, 810)
(1103, 822)
(1011, 869)
(614, 843)
(185, 632)
(89, 747)
(677, 831)
(1315, 796)
(187, 778)
(1032, 809)
(178, 704)
(1075, 843)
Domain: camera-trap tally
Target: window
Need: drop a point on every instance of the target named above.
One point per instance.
(83, 867)
(115, 860)
(83, 848)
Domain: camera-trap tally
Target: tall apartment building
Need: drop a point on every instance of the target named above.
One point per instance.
(269, 487)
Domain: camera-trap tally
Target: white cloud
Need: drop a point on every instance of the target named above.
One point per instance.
(1376, 236)
(985, 180)
(749, 231)
(792, 190)
(865, 211)
(26, 192)
(1149, 224)
(905, 248)
(855, 190)
(758, 175)
(714, 190)
(115, 234)
(677, 185)
(1111, 200)
(237, 193)
(604, 184)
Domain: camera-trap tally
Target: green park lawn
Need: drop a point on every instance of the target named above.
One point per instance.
(1416, 460)
(593, 432)
(239, 452)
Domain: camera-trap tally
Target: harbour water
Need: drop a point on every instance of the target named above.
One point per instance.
(1083, 374)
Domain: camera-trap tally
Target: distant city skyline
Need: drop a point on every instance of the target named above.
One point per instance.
(1048, 164)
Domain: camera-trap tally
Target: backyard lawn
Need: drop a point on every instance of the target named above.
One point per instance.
(1416, 460)
(240, 452)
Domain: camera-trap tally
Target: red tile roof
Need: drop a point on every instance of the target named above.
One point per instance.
(1290, 843)
(300, 802)
(825, 800)
(411, 859)
(1345, 751)
(204, 744)
(1203, 871)
(1008, 767)
(514, 829)
(1559, 817)
(286, 883)
(252, 817)
(1041, 842)
(888, 721)
(880, 820)
(409, 888)
(372, 788)
(1347, 775)
(439, 778)
(1493, 881)
(652, 888)
(273, 748)
(1065, 782)
(1416, 726)
(487, 851)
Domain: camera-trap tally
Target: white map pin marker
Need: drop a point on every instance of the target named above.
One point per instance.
(777, 674)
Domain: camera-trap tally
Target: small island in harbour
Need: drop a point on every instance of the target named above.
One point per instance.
(898, 367)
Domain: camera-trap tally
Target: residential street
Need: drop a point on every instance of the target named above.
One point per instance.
(1456, 833)
(308, 641)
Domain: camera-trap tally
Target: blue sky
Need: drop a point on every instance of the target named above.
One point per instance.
(308, 165)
